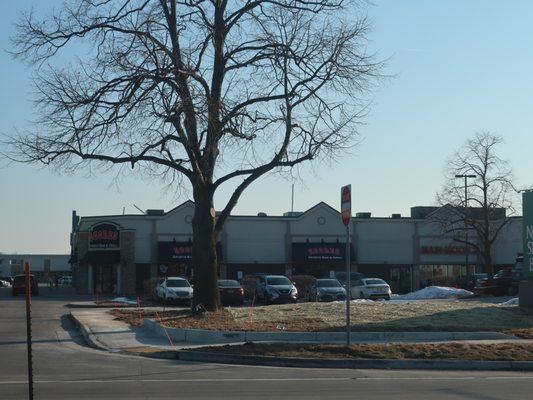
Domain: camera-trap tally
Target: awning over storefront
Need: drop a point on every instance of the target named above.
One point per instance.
(101, 257)
(320, 252)
(179, 252)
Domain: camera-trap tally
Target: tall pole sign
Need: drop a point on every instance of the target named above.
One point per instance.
(346, 213)
(27, 282)
(527, 212)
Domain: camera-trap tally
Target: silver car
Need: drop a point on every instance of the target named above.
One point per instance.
(174, 289)
(327, 290)
(370, 288)
(276, 289)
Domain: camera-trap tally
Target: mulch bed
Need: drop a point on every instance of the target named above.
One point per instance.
(438, 351)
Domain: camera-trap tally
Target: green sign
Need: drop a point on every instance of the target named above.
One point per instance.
(527, 207)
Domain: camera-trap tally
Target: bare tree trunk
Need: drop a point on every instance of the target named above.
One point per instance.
(204, 257)
(487, 258)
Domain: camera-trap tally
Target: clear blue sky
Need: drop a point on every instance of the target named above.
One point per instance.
(460, 66)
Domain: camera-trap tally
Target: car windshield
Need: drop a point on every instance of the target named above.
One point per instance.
(328, 283)
(375, 282)
(177, 283)
(278, 280)
(228, 283)
(501, 273)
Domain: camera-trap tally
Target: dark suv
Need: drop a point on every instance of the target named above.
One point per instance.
(19, 285)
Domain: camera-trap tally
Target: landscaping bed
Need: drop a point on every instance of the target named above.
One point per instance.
(440, 351)
(459, 316)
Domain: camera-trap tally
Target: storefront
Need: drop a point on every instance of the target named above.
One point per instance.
(175, 258)
(118, 254)
(319, 259)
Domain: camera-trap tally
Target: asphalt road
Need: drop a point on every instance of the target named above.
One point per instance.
(66, 369)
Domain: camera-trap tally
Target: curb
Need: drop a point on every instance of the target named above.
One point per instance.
(200, 356)
(205, 336)
(87, 334)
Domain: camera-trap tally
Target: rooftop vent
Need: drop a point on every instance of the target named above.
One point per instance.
(363, 215)
(261, 214)
(292, 213)
(155, 212)
(396, 216)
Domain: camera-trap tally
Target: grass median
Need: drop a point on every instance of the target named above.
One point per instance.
(459, 316)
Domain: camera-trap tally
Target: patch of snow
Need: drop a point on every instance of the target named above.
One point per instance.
(435, 292)
(124, 300)
(510, 303)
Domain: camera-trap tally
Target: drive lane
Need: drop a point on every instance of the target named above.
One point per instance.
(65, 369)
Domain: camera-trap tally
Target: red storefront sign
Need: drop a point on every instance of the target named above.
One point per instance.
(104, 236)
(445, 250)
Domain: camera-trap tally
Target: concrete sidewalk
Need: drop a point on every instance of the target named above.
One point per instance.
(101, 330)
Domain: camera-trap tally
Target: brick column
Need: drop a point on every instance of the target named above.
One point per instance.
(80, 271)
(127, 262)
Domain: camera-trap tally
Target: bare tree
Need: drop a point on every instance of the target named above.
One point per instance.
(204, 92)
(478, 218)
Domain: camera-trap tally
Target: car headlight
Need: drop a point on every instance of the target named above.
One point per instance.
(294, 291)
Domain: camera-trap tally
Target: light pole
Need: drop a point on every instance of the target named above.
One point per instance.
(467, 250)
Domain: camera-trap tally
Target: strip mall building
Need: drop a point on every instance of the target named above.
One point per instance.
(117, 253)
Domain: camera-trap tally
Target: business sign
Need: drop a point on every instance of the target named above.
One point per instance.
(527, 212)
(318, 252)
(446, 250)
(179, 252)
(104, 236)
(346, 204)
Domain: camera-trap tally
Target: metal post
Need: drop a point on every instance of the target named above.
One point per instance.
(28, 330)
(466, 227)
(348, 285)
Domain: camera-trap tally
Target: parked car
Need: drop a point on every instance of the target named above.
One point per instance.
(65, 280)
(19, 285)
(328, 290)
(504, 283)
(304, 284)
(354, 277)
(4, 283)
(249, 284)
(174, 290)
(370, 288)
(276, 289)
(231, 292)
(7, 279)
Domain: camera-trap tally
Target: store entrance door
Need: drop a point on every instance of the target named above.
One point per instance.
(400, 279)
(105, 279)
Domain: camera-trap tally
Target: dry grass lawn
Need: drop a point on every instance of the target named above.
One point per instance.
(440, 351)
(367, 316)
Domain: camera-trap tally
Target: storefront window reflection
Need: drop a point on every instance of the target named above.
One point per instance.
(443, 275)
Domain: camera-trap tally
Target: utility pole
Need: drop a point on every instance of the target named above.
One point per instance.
(467, 249)
(28, 329)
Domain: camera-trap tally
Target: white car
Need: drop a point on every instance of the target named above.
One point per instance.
(4, 283)
(370, 288)
(174, 289)
(65, 280)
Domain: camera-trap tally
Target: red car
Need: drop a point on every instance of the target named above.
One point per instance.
(231, 292)
(19, 285)
(504, 283)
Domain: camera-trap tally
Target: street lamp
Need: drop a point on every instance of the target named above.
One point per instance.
(467, 250)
